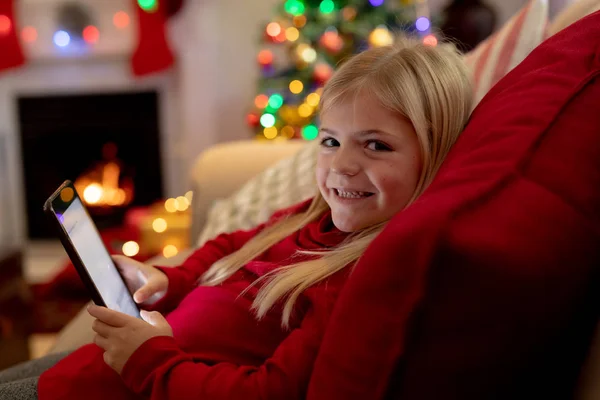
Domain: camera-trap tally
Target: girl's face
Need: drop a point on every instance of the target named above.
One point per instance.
(369, 163)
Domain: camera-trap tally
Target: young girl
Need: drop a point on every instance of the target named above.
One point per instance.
(245, 313)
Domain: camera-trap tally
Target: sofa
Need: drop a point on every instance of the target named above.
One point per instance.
(214, 178)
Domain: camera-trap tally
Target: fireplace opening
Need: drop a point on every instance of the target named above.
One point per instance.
(108, 144)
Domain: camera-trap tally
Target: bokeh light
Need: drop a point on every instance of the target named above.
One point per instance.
(159, 225)
(170, 205)
(170, 251)
(296, 86)
(292, 34)
(148, 5)
(265, 57)
(327, 6)
(130, 248)
(430, 40)
(29, 34)
(267, 120)
(270, 133)
(91, 34)
(422, 24)
(121, 19)
(61, 39)
(5, 25)
(310, 132)
(313, 99)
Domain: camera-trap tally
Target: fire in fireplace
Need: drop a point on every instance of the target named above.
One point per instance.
(108, 144)
(102, 186)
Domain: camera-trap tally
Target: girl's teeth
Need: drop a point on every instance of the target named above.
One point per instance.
(351, 195)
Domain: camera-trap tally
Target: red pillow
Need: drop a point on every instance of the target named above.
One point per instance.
(486, 287)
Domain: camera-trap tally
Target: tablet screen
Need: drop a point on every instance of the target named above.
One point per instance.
(92, 252)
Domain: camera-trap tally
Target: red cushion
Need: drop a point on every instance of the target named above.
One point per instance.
(485, 288)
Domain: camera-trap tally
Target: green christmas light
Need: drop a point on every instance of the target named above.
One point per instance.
(267, 120)
(275, 101)
(327, 6)
(310, 132)
(148, 5)
(294, 7)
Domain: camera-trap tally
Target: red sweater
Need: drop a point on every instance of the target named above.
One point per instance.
(219, 349)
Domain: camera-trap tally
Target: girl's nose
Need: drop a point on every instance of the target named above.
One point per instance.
(345, 163)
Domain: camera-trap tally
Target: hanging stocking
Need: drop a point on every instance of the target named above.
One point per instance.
(153, 53)
(11, 54)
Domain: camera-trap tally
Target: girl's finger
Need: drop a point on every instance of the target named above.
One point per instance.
(101, 342)
(101, 328)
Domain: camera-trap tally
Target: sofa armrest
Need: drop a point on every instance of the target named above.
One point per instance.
(78, 331)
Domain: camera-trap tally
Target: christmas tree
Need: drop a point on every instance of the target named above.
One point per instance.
(306, 41)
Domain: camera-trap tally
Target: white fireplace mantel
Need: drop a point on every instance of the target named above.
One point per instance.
(106, 69)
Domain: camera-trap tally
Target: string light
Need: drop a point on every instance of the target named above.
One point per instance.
(29, 34)
(305, 111)
(170, 251)
(380, 36)
(292, 34)
(148, 5)
(422, 24)
(5, 25)
(294, 7)
(299, 21)
(327, 6)
(252, 119)
(430, 40)
(91, 34)
(296, 86)
(306, 53)
(182, 203)
(275, 101)
(130, 248)
(121, 20)
(349, 13)
(261, 101)
(170, 205)
(332, 41)
(159, 225)
(376, 3)
(270, 132)
(273, 29)
(313, 99)
(267, 120)
(310, 132)
(61, 39)
(288, 131)
(265, 57)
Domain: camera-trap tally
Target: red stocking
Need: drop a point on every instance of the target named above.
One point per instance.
(152, 53)
(11, 54)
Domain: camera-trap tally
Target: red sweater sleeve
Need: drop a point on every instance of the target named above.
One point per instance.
(182, 279)
(159, 369)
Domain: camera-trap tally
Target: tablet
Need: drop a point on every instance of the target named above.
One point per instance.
(82, 241)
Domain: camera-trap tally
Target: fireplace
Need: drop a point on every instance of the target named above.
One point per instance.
(106, 142)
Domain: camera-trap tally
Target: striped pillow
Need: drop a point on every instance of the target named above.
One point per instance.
(286, 183)
(507, 47)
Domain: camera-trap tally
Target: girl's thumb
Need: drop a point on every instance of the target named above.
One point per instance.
(152, 317)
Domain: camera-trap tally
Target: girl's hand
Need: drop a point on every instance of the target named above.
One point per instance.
(146, 283)
(121, 334)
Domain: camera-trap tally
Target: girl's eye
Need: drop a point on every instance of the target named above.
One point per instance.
(376, 145)
(329, 142)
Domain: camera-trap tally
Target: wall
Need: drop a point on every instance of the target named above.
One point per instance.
(505, 8)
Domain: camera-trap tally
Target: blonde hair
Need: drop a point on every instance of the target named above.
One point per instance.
(428, 85)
